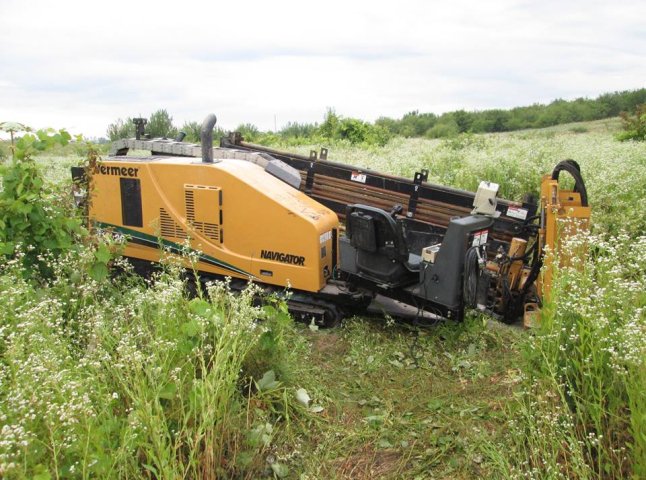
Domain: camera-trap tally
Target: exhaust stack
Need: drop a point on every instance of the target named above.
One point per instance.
(206, 137)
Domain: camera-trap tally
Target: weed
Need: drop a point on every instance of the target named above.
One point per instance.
(582, 410)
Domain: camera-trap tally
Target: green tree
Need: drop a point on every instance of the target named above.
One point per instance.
(353, 130)
(463, 120)
(330, 126)
(121, 129)
(445, 128)
(160, 124)
(415, 124)
(193, 131)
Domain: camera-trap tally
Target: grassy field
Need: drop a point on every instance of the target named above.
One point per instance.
(112, 378)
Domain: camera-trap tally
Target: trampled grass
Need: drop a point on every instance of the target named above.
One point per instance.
(114, 379)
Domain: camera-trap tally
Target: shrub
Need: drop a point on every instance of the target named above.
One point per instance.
(121, 129)
(250, 133)
(330, 126)
(106, 377)
(160, 124)
(193, 131)
(35, 220)
(443, 130)
(634, 125)
(298, 130)
(358, 132)
(353, 130)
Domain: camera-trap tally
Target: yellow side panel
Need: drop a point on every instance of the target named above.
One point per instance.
(243, 221)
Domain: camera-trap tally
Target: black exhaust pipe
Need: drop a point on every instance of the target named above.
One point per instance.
(206, 136)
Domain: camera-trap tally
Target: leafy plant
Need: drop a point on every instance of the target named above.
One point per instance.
(12, 128)
(443, 129)
(353, 130)
(33, 221)
(634, 125)
(330, 126)
(118, 378)
(583, 409)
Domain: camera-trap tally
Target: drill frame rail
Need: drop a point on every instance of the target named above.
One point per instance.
(336, 185)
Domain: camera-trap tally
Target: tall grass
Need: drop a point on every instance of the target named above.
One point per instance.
(583, 411)
(112, 379)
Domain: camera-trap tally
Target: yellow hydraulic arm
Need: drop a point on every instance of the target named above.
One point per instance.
(563, 213)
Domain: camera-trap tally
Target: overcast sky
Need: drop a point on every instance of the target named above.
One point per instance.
(82, 64)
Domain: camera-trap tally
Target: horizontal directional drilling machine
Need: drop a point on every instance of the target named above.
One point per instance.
(334, 234)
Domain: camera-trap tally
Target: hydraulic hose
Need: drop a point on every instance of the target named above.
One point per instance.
(573, 169)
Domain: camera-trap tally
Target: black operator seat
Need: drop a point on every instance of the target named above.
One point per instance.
(373, 230)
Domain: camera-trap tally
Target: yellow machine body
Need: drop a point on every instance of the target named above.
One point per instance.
(256, 214)
(239, 220)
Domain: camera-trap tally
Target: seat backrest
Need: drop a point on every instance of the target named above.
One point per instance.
(374, 230)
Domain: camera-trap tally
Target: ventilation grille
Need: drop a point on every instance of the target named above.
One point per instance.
(169, 228)
(190, 205)
(208, 229)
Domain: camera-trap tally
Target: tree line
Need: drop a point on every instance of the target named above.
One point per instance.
(415, 124)
(412, 124)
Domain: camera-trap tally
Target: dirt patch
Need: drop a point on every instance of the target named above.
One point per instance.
(368, 464)
(328, 345)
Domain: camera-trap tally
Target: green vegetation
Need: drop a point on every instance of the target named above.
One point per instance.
(113, 379)
(635, 125)
(582, 410)
(160, 124)
(26, 205)
(336, 129)
(615, 172)
(110, 376)
(558, 112)
(121, 129)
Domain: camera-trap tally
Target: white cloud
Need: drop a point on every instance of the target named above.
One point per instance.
(71, 64)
